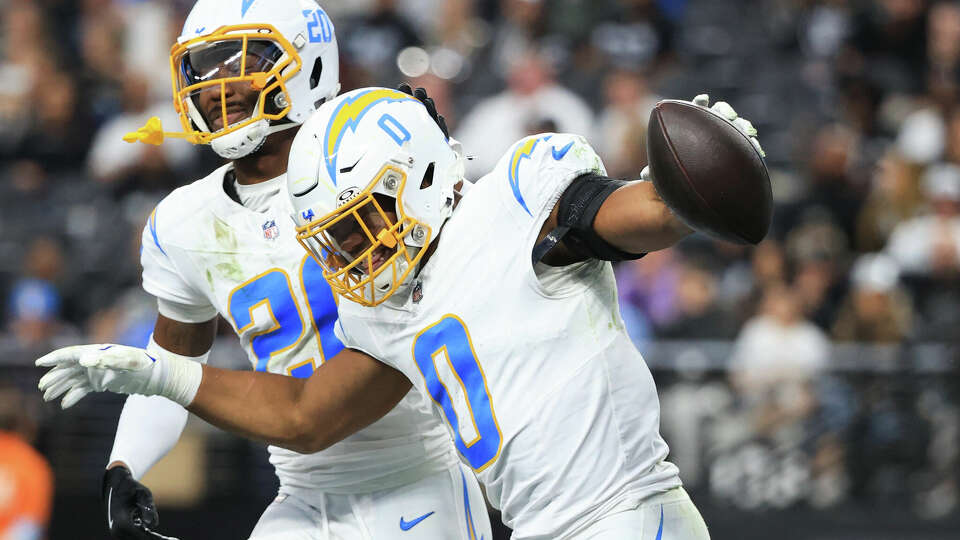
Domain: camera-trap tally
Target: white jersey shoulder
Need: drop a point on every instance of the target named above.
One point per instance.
(202, 248)
(167, 234)
(541, 388)
(539, 167)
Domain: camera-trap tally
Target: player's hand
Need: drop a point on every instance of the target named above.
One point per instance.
(82, 369)
(724, 109)
(421, 94)
(131, 514)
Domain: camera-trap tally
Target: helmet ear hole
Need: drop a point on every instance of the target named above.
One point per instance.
(315, 74)
(427, 177)
(270, 105)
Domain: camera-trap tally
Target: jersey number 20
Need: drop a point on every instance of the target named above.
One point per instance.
(445, 356)
(270, 295)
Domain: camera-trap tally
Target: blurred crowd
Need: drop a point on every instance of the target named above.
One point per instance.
(857, 103)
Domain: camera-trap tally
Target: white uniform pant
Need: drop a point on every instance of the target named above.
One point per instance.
(444, 506)
(667, 516)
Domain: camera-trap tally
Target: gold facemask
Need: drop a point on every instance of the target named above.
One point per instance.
(255, 54)
(361, 248)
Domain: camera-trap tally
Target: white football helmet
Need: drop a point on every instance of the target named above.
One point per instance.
(285, 49)
(371, 178)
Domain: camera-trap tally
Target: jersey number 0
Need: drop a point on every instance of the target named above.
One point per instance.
(445, 356)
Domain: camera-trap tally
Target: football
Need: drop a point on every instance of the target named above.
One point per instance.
(708, 172)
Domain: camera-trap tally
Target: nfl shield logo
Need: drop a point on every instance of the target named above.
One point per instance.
(270, 230)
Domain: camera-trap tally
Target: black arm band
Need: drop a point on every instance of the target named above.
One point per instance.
(577, 208)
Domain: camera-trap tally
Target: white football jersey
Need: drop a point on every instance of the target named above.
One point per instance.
(203, 249)
(544, 393)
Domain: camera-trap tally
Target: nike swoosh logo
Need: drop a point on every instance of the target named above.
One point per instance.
(109, 517)
(350, 168)
(407, 525)
(558, 154)
(107, 347)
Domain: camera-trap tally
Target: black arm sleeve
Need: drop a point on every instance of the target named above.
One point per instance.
(577, 208)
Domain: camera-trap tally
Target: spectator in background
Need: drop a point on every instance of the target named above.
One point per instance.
(622, 137)
(138, 166)
(373, 43)
(132, 312)
(26, 480)
(636, 33)
(23, 44)
(58, 134)
(816, 250)
(929, 245)
(778, 342)
(648, 287)
(148, 32)
(776, 357)
(520, 29)
(101, 72)
(532, 103)
(34, 304)
(741, 286)
(943, 49)
(831, 188)
(877, 309)
(888, 44)
(894, 197)
(698, 316)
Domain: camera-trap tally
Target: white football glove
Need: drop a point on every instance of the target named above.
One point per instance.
(82, 369)
(724, 109)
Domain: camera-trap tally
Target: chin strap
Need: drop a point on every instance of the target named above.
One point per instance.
(152, 133)
(276, 128)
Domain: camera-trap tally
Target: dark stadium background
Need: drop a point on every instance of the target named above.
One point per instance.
(809, 387)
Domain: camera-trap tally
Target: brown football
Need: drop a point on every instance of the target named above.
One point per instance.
(708, 172)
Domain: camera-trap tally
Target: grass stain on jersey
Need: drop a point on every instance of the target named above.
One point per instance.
(225, 236)
(226, 240)
(231, 270)
(583, 150)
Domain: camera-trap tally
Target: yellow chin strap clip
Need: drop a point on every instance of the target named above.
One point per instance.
(152, 133)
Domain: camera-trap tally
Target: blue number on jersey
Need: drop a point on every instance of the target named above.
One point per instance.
(274, 290)
(319, 27)
(445, 356)
(322, 307)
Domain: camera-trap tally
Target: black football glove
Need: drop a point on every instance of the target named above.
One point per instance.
(427, 101)
(131, 514)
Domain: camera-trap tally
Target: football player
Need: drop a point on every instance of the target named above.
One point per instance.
(496, 301)
(246, 75)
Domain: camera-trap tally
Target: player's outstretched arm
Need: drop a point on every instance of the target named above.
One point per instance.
(636, 220)
(631, 220)
(607, 219)
(347, 393)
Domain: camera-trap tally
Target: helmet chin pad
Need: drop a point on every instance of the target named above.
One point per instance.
(242, 142)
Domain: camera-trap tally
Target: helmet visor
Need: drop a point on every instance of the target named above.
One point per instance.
(227, 58)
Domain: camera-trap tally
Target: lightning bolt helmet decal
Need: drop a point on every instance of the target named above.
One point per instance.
(348, 115)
